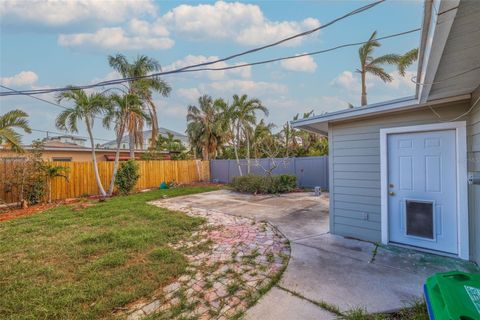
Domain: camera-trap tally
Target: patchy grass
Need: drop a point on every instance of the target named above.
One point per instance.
(71, 263)
(417, 310)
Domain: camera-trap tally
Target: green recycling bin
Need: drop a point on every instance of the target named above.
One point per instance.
(453, 296)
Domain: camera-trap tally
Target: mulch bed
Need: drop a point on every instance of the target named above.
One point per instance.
(10, 214)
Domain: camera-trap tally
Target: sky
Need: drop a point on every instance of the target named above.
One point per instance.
(46, 43)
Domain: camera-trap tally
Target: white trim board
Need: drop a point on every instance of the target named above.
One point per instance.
(462, 185)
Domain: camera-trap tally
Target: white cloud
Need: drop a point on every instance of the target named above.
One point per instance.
(399, 82)
(56, 13)
(115, 38)
(244, 72)
(142, 27)
(190, 94)
(347, 80)
(252, 88)
(302, 64)
(175, 111)
(23, 78)
(377, 90)
(244, 23)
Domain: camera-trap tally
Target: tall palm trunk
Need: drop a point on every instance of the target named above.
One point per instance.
(94, 159)
(205, 153)
(248, 152)
(364, 89)
(153, 114)
(131, 144)
(235, 149)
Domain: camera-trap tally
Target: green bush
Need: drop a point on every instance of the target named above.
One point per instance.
(127, 176)
(265, 184)
(35, 191)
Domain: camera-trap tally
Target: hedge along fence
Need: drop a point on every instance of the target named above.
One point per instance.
(81, 178)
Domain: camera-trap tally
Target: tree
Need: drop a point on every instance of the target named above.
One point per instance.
(144, 88)
(125, 112)
(51, 172)
(261, 136)
(205, 125)
(169, 143)
(244, 118)
(86, 108)
(406, 60)
(369, 64)
(15, 119)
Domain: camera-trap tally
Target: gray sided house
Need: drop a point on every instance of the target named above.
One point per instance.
(407, 172)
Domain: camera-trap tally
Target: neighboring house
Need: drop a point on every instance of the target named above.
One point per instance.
(406, 172)
(147, 135)
(60, 151)
(67, 139)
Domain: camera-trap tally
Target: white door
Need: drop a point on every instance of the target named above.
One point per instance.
(422, 196)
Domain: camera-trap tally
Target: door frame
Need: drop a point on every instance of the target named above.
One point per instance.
(462, 182)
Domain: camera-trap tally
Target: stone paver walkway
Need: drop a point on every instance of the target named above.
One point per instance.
(232, 262)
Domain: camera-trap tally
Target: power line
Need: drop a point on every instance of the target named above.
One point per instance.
(413, 79)
(34, 97)
(40, 99)
(117, 81)
(301, 55)
(246, 64)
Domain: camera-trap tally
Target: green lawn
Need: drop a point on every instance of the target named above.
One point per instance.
(82, 263)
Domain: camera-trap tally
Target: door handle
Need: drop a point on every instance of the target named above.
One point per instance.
(391, 193)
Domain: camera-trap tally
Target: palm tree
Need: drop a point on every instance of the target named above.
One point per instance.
(244, 117)
(8, 122)
(144, 87)
(262, 133)
(170, 143)
(205, 125)
(52, 171)
(369, 64)
(87, 106)
(406, 60)
(125, 112)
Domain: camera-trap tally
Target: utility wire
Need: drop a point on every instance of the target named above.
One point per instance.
(34, 97)
(40, 99)
(241, 65)
(117, 81)
(301, 55)
(413, 79)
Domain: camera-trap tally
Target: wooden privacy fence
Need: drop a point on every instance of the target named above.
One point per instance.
(81, 179)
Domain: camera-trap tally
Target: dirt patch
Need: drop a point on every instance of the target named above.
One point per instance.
(10, 214)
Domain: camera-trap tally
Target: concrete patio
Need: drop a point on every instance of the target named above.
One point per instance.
(343, 272)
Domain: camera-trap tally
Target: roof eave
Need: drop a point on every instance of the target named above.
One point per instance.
(368, 111)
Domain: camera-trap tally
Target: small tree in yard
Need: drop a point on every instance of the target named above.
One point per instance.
(51, 172)
(127, 176)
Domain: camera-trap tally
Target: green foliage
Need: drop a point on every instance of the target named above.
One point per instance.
(265, 184)
(127, 176)
(15, 119)
(169, 143)
(75, 262)
(35, 190)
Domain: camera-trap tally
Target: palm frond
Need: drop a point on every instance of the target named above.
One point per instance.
(379, 72)
(386, 59)
(406, 60)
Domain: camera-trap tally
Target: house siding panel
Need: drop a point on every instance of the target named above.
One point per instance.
(355, 168)
(473, 145)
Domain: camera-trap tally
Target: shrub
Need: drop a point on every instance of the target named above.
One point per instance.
(127, 176)
(265, 184)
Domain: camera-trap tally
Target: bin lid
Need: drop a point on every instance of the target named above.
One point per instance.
(454, 295)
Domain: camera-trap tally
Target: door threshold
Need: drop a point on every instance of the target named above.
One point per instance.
(436, 252)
